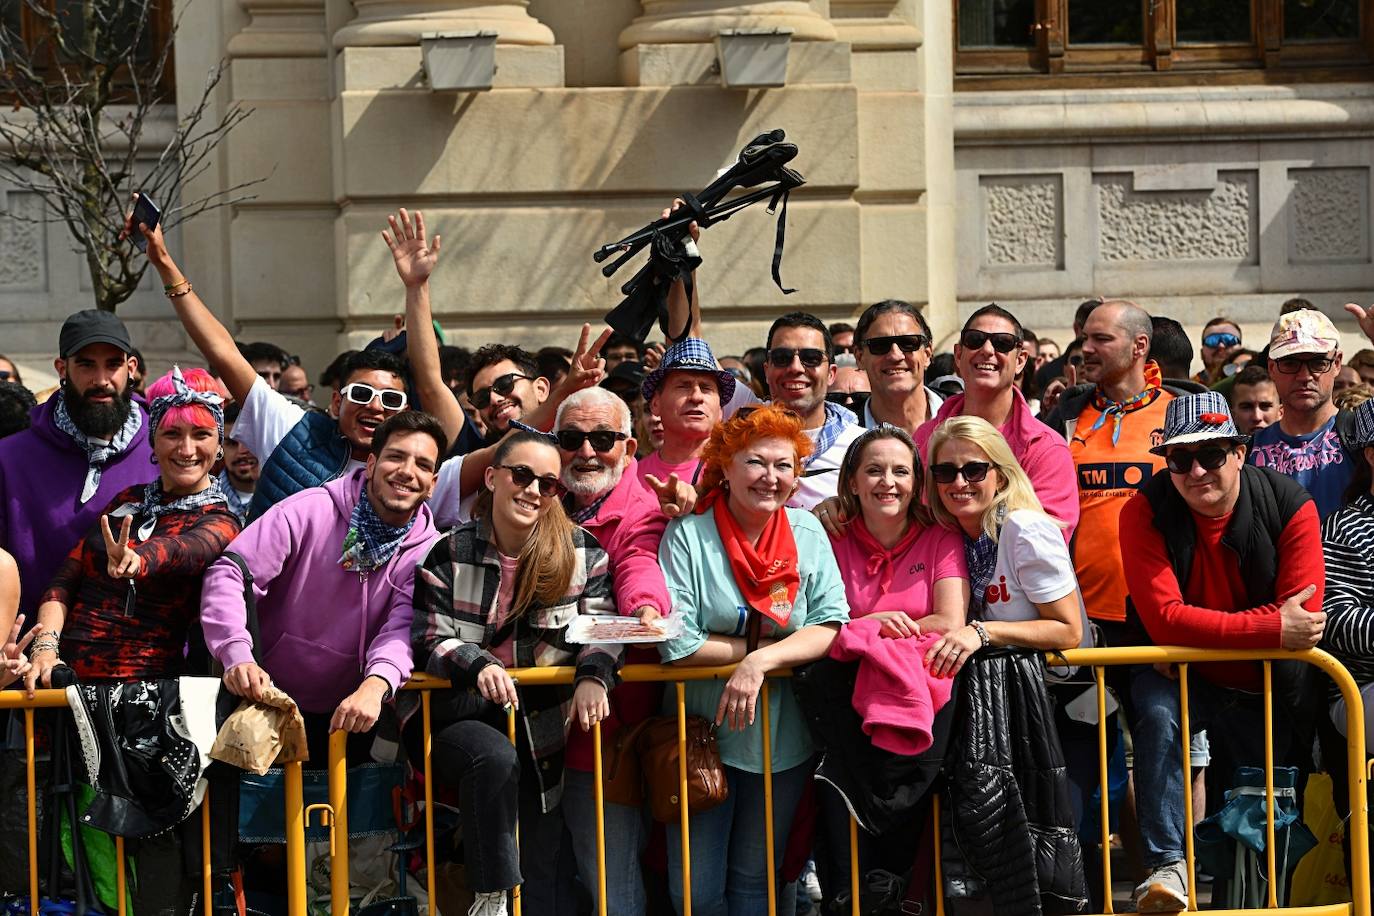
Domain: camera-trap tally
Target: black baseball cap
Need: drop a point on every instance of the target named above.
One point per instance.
(626, 375)
(90, 326)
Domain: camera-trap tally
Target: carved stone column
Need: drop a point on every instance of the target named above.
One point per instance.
(401, 22)
(699, 21)
(873, 25)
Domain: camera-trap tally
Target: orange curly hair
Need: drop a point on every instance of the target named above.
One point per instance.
(744, 428)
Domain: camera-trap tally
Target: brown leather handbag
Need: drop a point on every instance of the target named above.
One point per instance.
(658, 758)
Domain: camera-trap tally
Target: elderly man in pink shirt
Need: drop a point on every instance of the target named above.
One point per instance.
(988, 357)
(594, 433)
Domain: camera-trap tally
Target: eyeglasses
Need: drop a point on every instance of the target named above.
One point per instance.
(1181, 460)
(781, 357)
(973, 472)
(503, 386)
(841, 348)
(1002, 342)
(360, 393)
(907, 343)
(1220, 340)
(522, 477)
(1316, 365)
(602, 440)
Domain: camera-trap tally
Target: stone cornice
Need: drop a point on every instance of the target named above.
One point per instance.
(1151, 115)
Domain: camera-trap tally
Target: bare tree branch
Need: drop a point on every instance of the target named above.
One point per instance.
(84, 90)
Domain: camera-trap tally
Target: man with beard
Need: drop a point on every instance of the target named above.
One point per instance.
(86, 444)
(597, 448)
(239, 478)
(331, 572)
(504, 385)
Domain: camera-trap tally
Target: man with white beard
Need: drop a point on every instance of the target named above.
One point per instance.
(604, 497)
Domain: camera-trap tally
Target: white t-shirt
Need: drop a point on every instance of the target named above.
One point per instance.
(821, 486)
(1033, 566)
(265, 419)
(448, 504)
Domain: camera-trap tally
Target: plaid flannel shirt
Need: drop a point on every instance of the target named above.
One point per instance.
(454, 627)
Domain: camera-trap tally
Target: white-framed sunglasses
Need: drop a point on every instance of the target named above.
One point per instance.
(360, 393)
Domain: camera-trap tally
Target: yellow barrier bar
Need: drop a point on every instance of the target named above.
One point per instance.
(600, 796)
(684, 817)
(429, 798)
(48, 698)
(768, 806)
(295, 841)
(1186, 728)
(338, 800)
(30, 778)
(854, 866)
(939, 872)
(510, 733)
(1269, 782)
(121, 892)
(207, 889)
(1105, 807)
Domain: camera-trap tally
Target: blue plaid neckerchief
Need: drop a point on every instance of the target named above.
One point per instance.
(237, 504)
(836, 419)
(97, 454)
(155, 505)
(370, 542)
(1117, 410)
(981, 556)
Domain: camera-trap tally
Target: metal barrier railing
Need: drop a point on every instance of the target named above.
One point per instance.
(295, 823)
(335, 813)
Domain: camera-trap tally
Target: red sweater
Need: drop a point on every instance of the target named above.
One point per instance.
(1210, 612)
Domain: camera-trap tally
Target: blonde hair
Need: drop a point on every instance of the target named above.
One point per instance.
(1014, 488)
(544, 570)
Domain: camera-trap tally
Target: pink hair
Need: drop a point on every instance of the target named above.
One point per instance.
(191, 414)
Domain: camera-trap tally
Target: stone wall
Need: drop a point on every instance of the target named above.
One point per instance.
(1196, 202)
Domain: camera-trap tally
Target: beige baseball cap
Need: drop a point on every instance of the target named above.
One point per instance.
(1303, 331)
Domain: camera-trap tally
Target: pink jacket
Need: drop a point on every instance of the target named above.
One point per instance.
(629, 525)
(894, 692)
(1042, 452)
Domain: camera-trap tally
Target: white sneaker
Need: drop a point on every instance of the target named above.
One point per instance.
(492, 903)
(811, 883)
(1165, 891)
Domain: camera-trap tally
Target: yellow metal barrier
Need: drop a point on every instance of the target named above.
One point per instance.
(57, 699)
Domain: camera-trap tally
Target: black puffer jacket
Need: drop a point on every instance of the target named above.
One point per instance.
(1010, 817)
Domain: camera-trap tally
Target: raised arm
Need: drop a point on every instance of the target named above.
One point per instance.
(677, 296)
(415, 259)
(210, 337)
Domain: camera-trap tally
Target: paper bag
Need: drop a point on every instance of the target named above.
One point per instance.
(260, 734)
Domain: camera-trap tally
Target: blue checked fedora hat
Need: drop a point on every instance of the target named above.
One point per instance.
(691, 354)
(1364, 424)
(1198, 418)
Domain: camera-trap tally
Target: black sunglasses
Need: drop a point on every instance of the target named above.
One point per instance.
(602, 440)
(1316, 365)
(1002, 342)
(522, 477)
(360, 393)
(907, 343)
(503, 386)
(973, 472)
(781, 357)
(1180, 461)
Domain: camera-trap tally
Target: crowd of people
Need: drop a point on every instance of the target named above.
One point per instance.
(907, 532)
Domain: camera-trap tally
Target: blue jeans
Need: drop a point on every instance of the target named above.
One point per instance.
(729, 847)
(626, 833)
(1234, 717)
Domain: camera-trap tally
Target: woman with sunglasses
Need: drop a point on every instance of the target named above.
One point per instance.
(1024, 597)
(908, 578)
(755, 585)
(495, 593)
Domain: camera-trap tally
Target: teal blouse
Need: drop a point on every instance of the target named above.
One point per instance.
(704, 595)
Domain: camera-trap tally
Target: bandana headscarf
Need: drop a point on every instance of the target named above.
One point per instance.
(97, 453)
(185, 396)
(1117, 410)
(370, 542)
(153, 507)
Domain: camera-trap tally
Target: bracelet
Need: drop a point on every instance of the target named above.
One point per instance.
(167, 286)
(174, 293)
(981, 631)
(42, 645)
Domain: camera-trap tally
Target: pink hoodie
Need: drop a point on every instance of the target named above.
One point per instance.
(1042, 452)
(894, 692)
